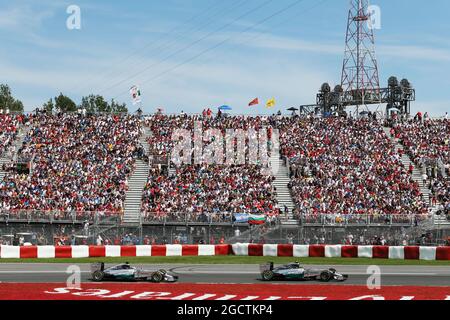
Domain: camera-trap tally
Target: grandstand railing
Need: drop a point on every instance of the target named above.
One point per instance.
(362, 219)
(38, 216)
(193, 218)
(226, 218)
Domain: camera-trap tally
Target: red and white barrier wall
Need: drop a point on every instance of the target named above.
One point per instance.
(339, 251)
(255, 250)
(113, 251)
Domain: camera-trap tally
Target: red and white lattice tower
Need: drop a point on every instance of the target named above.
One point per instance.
(360, 80)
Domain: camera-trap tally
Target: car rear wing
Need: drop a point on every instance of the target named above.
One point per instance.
(266, 267)
(100, 266)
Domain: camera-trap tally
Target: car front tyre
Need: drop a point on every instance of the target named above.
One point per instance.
(157, 277)
(325, 276)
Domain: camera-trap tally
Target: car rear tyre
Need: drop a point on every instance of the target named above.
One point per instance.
(325, 276)
(157, 277)
(98, 275)
(267, 275)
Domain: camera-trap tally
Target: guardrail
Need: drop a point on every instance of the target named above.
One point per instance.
(362, 219)
(38, 216)
(195, 218)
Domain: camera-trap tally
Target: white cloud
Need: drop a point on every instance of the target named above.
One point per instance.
(273, 70)
(191, 87)
(414, 52)
(23, 18)
(274, 42)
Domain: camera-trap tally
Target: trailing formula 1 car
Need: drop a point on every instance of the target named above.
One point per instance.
(294, 271)
(125, 272)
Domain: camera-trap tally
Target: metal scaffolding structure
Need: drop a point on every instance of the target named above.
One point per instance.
(360, 80)
(360, 83)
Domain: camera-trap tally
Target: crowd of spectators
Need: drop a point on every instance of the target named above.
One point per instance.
(338, 166)
(163, 126)
(79, 163)
(206, 191)
(427, 142)
(197, 189)
(346, 166)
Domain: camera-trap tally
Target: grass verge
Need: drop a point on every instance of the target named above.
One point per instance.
(236, 260)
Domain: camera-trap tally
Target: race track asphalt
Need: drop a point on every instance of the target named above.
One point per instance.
(233, 274)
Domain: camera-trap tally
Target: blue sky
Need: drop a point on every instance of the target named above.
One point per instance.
(191, 54)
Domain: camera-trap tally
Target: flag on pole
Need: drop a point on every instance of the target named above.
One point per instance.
(254, 102)
(271, 103)
(135, 93)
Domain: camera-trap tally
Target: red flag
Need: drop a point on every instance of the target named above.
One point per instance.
(254, 102)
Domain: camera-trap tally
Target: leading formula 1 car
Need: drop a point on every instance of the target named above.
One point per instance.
(294, 271)
(125, 272)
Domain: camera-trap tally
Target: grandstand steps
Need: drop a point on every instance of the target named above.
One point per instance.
(406, 161)
(281, 173)
(417, 176)
(146, 133)
(2, 162)
(136, 184)
(23, 132)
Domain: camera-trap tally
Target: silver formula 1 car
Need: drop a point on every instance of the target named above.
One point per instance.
(125, 272)
(294, 271)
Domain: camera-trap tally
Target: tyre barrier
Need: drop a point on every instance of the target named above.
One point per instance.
(253, 250)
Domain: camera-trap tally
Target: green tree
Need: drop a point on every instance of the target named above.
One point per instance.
(88, 103)
(119, 108)
(95, 103)
(7, 101)
(101, 104)
(48, 106)
(65, 104)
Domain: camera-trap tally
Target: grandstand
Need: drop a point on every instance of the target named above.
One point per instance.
(343, 175)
